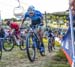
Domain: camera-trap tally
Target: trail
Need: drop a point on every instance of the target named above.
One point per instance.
(18, 58)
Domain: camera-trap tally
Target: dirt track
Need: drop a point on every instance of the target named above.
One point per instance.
(18, 58)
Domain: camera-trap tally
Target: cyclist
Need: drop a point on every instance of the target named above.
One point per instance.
(15, 29)
(50, 35)
(2, 35)
(36, 19)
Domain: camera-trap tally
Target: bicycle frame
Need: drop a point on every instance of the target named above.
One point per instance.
(11, 40)
(36, 43)
(33, 31)
(14, 36)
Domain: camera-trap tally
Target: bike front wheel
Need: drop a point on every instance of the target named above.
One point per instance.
(30, 47)
(8, 44)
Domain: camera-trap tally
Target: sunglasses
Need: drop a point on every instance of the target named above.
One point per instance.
(31, 13)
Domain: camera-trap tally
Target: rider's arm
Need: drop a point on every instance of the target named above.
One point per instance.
(41, 17)
(26, 15)
(23, 20)
(42, 21)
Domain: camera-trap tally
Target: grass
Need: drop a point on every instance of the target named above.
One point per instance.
(2, 64)
(57, 65)
(60, 56)
(59, 60)
(20, 55)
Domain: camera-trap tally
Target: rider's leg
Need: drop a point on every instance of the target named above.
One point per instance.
(40, 34)
(18, 37)
(41, 42)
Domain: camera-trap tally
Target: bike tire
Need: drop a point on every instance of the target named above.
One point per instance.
(49, 47)
(0, 50)
(22, 45)
(42, 53)
(9, 42)
(31, 58)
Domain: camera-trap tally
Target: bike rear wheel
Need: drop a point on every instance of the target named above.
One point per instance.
(50, 44)
(22, 45)
(42, 50)
(40, 45)
(8, 44)
(31, 52)
(49, 47)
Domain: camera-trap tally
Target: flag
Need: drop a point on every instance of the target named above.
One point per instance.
(66, 46)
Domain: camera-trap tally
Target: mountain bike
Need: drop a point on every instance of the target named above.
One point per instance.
(33, 43)
(10, 42)
(50, 43)
(50, 36)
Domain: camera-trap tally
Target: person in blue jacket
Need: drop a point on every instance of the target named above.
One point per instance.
(36, 19)
(35, 15)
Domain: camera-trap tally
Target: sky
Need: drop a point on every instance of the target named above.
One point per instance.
(50, 6)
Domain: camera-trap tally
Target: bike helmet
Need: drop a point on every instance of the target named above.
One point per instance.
(31, 9)
(8, 22)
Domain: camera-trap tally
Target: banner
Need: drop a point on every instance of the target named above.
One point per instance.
(66, 45)
(68, 40)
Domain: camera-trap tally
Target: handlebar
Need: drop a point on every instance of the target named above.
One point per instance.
(36, 25)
